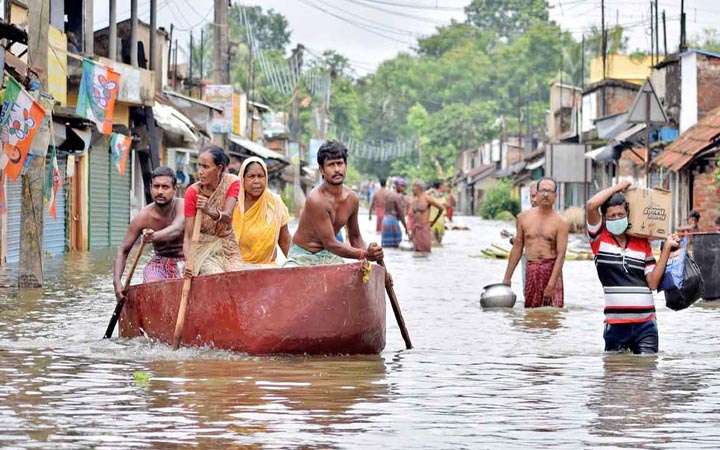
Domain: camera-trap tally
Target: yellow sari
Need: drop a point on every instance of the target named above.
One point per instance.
(258, 229)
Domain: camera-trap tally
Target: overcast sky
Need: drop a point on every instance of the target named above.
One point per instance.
(370, 31)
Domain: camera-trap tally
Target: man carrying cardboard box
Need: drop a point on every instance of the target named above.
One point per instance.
(628, 272)
(649, 215)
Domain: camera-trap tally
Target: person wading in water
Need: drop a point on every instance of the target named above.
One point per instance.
(542, 235)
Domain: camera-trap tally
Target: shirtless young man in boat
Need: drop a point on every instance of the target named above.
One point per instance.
(328, 208)
(162, 224)
(542, 234)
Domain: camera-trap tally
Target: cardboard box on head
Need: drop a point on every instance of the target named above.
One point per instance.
(649, 212)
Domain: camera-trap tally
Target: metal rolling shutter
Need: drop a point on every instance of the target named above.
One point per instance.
(54, 229)
(13, 195)
(119, 203)
(99, 201)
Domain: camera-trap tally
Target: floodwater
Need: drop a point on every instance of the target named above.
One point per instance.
(475, 379)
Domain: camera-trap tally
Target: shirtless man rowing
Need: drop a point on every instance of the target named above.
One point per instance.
(330, 207)
(542, 234)
(162, 224)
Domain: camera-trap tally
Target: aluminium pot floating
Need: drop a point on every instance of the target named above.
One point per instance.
(497, 295)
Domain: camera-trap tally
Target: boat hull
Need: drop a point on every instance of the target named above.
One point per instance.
(306, 310)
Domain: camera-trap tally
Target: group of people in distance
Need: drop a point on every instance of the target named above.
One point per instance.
(421, 214)
(242, 222)
(625, 264)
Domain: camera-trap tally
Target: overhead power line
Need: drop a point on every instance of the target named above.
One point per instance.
(373, 24)
(362, 3)
(416, 6)
(356, 24)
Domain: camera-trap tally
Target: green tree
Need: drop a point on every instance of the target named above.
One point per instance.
(506, 18)
(270, 29)
(708, 40)
(498, 200)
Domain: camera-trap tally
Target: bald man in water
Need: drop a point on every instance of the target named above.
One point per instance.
(542, 235)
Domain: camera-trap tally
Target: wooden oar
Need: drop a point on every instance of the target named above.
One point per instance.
(121, 303)
(189, 260)
(396, 310)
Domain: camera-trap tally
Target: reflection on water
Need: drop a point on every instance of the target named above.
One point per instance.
(541, 320)
(504, 378)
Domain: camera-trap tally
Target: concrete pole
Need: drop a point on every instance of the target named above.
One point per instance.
(202, 55)
(133, 32)
(153, 37)
(30, 273)
(112, 45)
(88, 33)
(220, 39)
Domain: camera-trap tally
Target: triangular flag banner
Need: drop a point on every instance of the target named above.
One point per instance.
(20, 119)
(98, 91)
(119, 149)
(53, 180)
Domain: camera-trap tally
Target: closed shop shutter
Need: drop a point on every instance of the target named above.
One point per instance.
(54, 229)
(13, 195)
(119, 203)
(99, 201)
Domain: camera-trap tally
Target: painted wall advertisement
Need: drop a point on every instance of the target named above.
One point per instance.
(275, 124)
(220, 95)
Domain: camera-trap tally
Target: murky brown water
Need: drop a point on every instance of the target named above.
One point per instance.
(476, 379)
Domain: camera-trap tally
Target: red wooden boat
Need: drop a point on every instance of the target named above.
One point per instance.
(307, 310)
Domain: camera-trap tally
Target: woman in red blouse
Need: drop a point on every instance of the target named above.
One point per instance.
(214, 196)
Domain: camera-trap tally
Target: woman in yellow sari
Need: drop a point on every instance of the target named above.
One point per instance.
(260, 219)
(212, 200)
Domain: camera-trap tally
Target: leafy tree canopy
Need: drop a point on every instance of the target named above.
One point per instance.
(506, 18)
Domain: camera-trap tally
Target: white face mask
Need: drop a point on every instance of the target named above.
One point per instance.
(617, 226)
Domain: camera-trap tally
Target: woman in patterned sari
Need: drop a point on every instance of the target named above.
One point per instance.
(214, 196)
(260, 220)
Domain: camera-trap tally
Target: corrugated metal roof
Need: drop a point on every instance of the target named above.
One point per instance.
(481, 172)
(695, 139)
(257, 149)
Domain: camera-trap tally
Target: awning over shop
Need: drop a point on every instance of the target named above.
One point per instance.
(479, 173)
(610, 126)
(170, 119)
(629, 133)
(601, 154)
(257, 149)
(191, 100)
(617, 144)
(617, 128)
(510, 170)
(691, 144)
(72, 133)
(535, 164)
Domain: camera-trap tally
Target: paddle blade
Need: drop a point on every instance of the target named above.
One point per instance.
(114, 319)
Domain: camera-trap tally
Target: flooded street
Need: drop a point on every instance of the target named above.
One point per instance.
(476, 379)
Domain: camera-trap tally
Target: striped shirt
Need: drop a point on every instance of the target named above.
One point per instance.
(622, 272)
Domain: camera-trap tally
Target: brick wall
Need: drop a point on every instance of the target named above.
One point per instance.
(706, 200)
(708, 84)
(619, 99)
